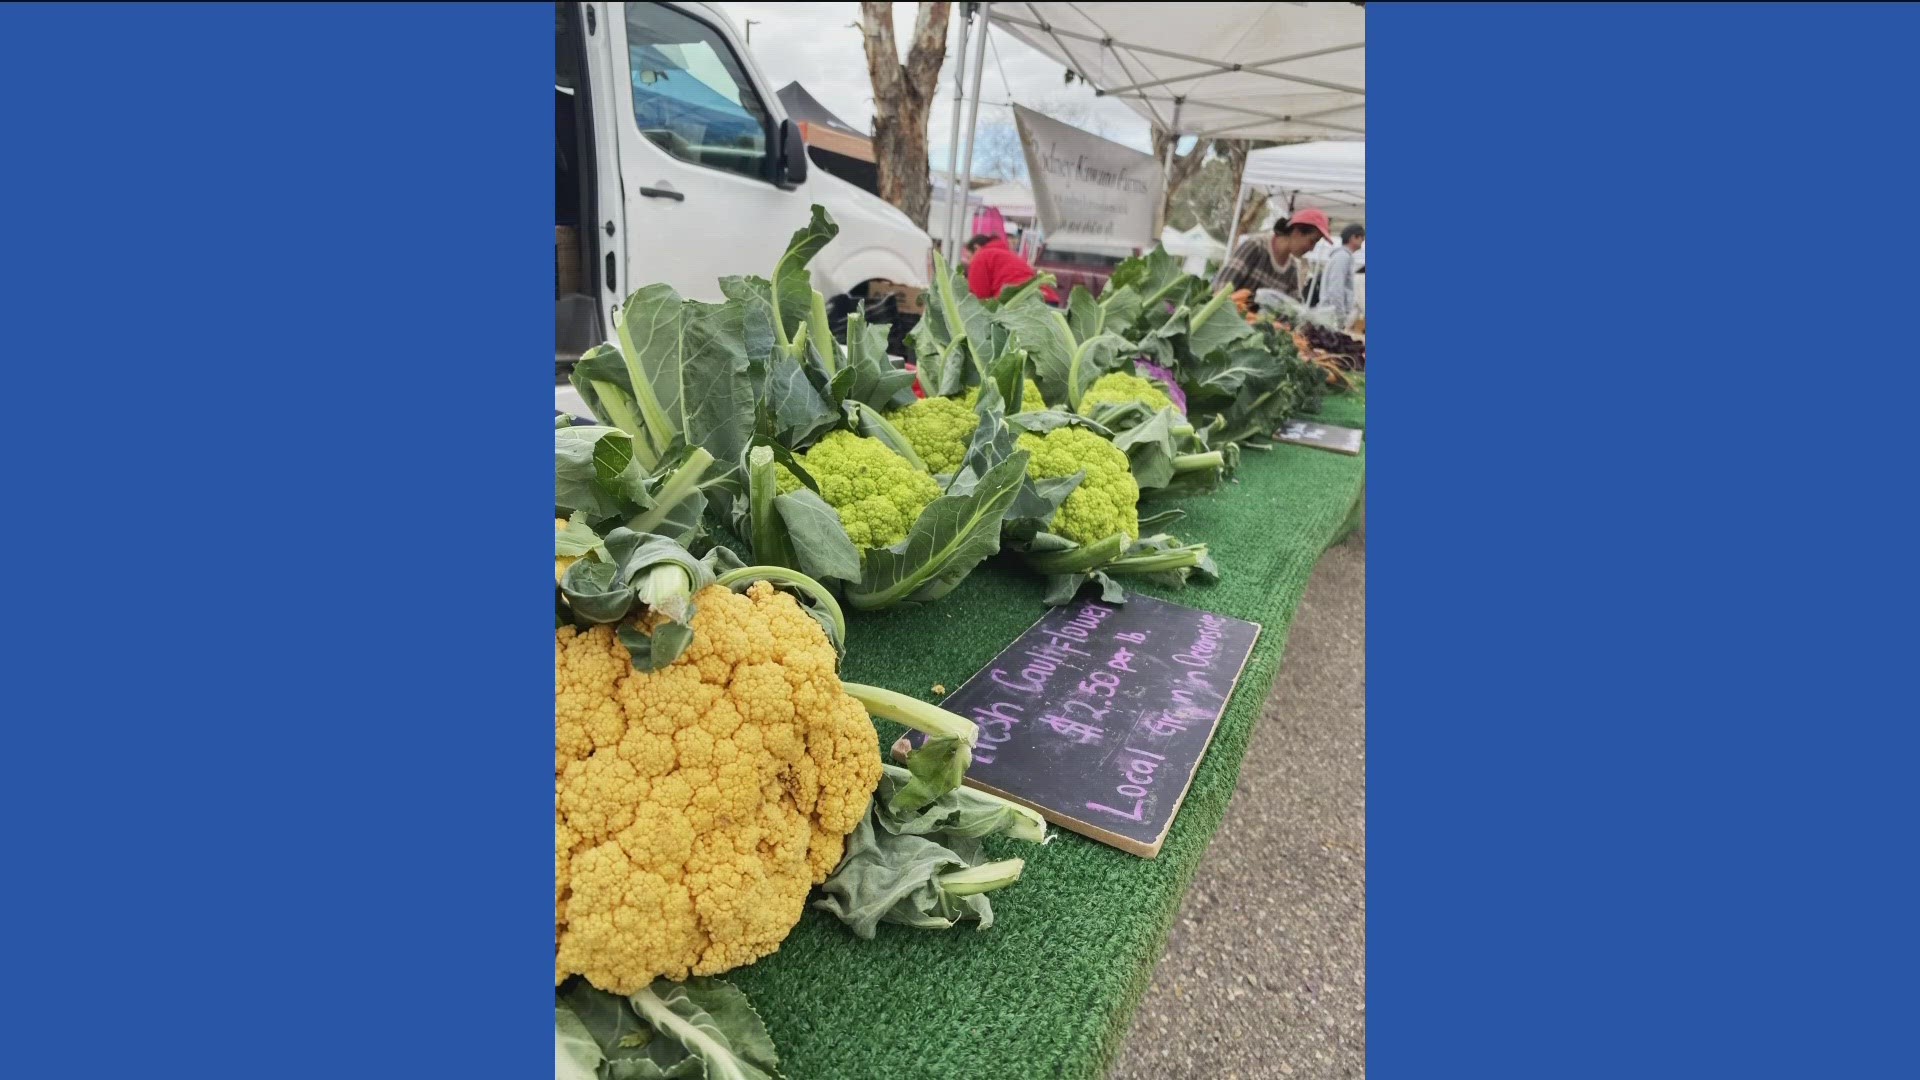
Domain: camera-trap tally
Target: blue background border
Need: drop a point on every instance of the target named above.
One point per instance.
(276, 344)
(1639, 446)
(275, 330)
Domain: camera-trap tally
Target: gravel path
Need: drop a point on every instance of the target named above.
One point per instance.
(1265, 972)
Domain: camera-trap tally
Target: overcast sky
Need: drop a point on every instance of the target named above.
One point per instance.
(814, 44)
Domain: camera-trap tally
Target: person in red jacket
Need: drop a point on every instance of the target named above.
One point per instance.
(996, 266)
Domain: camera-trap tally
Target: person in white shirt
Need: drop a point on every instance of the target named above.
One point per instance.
(1337, 292)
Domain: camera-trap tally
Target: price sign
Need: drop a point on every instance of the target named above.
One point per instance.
(1099, 714)
(1340, 440)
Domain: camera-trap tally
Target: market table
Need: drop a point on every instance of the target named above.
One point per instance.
(1048, 991)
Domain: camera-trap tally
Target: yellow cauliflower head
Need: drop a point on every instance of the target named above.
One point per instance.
(939, 429)
(1030, 399)
(1107, 500)
(696, 805)
(877, 493)
(1121, 388)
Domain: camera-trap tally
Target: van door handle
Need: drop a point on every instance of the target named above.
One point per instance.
(662, 193)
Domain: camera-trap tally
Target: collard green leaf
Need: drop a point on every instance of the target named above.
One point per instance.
(712, 1020)
(1063, 364)
(872, 424)
(597, 476)
(934, 769)
(688, 365)
(1121, 307)
(1047, 338)
(673, 503)
(870, 377)
(700, 1030)
(954, 339)
(889, 877)
(1085, 316)
(577, 539)
(594, 592)
(1155, 277)
(1039, 423)
(792, 284)
(606, 1020)
(575, 1055)
(1010, 294)
(963, 811)
(1216, 325)
(1223, 376)
(1161, 518)
(576, 475)
(1149, 449)
(820, 544)
(651, 650)
(1008, 376)
(796, 530)
(755, 295)
(643, 572)
(949, 538)
(1062, 588)
(1049, 553)
(687, 1068)
(600, 376)
(799, 410)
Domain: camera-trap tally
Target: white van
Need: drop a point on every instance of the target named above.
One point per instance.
(676, 163)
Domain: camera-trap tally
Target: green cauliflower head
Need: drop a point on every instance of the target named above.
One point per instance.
(877, 493)
(939, 429)
(1119, 388)
(1107, 501)
(1030, 399)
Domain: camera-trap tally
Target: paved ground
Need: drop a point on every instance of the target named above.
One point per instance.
(1265, 972)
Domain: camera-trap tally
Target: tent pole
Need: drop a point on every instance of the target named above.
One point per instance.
(953, 141)
(1166, 174)
(1233, 223)
(973, 114)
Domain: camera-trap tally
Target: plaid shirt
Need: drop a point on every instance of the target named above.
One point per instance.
(1252, 267)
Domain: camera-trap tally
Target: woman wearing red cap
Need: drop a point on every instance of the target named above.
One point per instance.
(1268, 262)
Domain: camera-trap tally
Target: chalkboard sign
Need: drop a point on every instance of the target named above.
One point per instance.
(1340, 440)
(1098, 715)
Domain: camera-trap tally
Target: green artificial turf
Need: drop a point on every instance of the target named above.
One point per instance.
(1048, 991)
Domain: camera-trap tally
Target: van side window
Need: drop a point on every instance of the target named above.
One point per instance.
(690, 94)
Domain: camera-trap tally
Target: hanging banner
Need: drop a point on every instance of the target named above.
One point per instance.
(1091, 194)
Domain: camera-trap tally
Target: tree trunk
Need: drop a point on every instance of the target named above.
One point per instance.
(902, 96)
(1236, 151)
(1252, 211)
(1184, 166)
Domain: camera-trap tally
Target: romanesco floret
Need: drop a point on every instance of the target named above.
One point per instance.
(1030, 399)
(1107, 501)
(877, 493)
(939, 429)
(1120, 388)
(696, 805)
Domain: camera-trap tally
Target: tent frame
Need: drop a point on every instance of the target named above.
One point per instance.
(1134, 91)
(1215, 67)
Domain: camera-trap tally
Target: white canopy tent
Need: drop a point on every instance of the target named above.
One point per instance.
(1014, 200)
(1242, 71)
(1328, 175)
(1195, 248)
(1226, 70)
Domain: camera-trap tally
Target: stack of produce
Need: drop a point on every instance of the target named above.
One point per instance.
(711, 769)
(752, 474)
